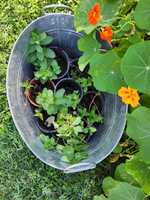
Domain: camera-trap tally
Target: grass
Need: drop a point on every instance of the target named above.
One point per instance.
(22, 176)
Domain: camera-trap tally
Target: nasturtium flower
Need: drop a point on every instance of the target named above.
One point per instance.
(129, 96)
(94, 15)
(106, 34)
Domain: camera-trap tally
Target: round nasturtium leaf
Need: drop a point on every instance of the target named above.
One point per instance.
(136, 66)
(106, 73)
(140, 171)
(116, 190)
(142, 14)
(138, 128)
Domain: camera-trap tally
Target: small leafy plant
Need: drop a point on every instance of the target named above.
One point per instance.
(49, 73)
(54, 102)
(69, 126)
(73, 130)
(91, 117)
(42, 58)
(27, 86)
(49, 143)
(85, 82)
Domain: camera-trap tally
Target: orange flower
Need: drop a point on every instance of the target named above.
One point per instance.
(94, 15)
(129, 96)
(106, 34)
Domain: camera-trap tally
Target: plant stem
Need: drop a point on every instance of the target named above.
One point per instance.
(98, 94)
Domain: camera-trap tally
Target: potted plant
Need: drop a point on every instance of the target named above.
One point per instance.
(52, 102)
(73, 127)
(67, 114)
(49, 63)
(33, 87)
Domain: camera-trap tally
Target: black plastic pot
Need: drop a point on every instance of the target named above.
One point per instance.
(37, 87)
(70, 86)
(74, 68)
(93, 98)
(63, 61)
(41, 123)
(90, 99)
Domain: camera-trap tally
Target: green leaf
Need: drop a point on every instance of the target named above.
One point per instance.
(101, 197)
(91, 47)
(31, 58)
(145, 100)
(43, 75)
(42, 36)
(80, 156)
(122, 47)
(105, 71)
(136, 66)
(39, 49)
(135, 38)
(84, 61)
(35, 37)
(138, 128)
(46, 100)
(122, 175)
(88, 43)
(142, 14)
(65, 159)
(40, 56)
(31, 49)
(69, 152)
(118, 149)
(49, 53)
(76, 121)
(46, 41)
(108, 12)
(140, 171)
(116, 190)
(49, 143)
(60, 93)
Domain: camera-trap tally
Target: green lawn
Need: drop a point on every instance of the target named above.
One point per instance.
(22, 176)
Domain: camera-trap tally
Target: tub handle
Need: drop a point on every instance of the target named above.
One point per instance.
(79, 167)
(45, 9)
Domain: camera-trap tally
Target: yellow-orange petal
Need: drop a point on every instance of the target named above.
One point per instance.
(129, 96)
(123, 91)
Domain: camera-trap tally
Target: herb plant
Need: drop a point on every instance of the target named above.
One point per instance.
(54, 102)
(42, 58)
(73, 153)
(91, 116)
(49, 73)
(69, 126)
(73, 130)
(85, 83)
(49, 143)
(27, 86)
